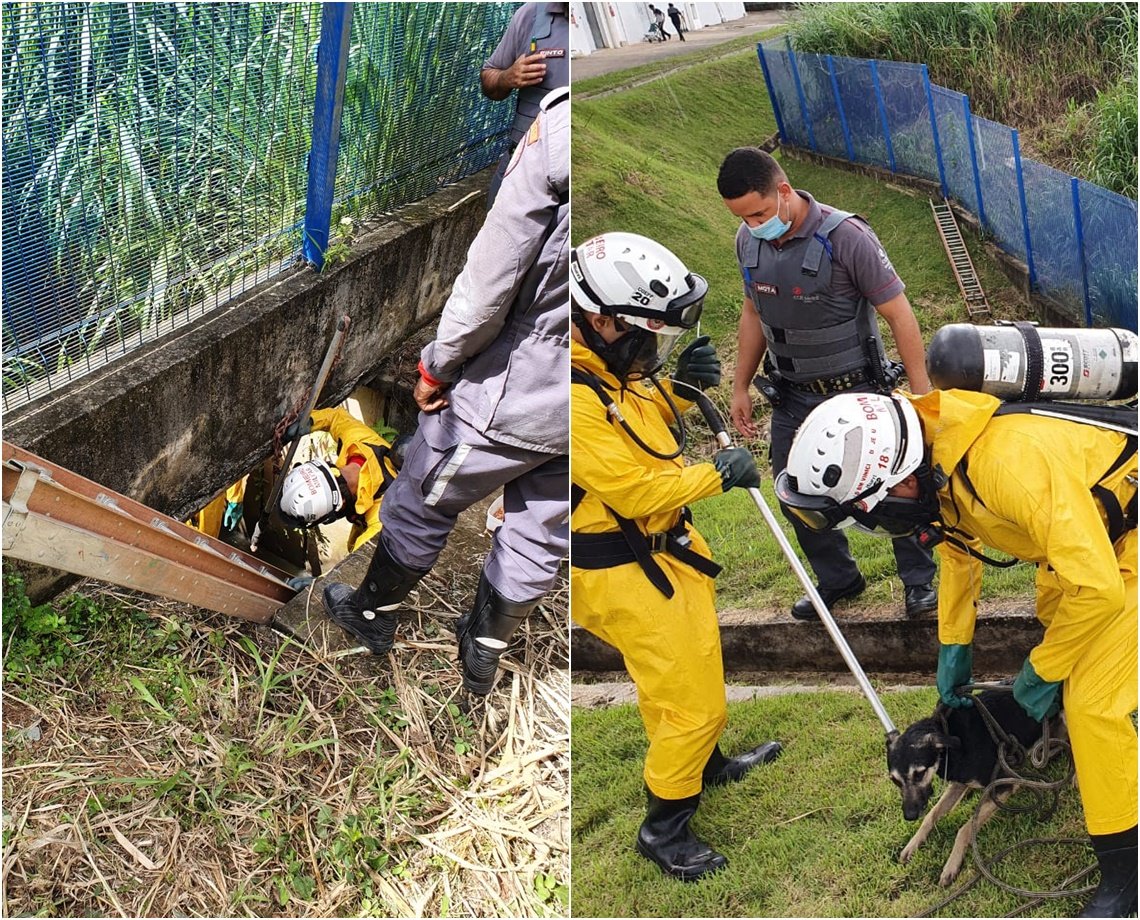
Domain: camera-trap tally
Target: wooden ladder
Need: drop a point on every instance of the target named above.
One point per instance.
(57, 518)
(960, 261)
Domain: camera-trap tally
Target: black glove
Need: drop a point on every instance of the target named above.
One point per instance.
(293, 430)
(737, 468)
(698, 364)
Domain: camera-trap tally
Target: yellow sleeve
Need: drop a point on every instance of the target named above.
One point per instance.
(605, 466)
(236, 492)
(372, 517)
(959, 587)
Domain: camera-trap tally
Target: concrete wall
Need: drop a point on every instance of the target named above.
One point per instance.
(174, 422)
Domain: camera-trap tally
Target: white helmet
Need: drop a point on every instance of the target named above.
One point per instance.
(640, 282)
(845, 456)
(311, 495)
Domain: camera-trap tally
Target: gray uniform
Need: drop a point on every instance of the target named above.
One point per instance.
(816, 295)
(503, 345)
(535, 28)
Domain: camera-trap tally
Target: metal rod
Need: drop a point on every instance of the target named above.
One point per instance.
(716, 423)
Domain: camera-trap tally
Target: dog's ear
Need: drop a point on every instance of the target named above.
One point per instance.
(941, 742)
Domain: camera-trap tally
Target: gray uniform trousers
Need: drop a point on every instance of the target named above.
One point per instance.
(448, 467)
(827, 552)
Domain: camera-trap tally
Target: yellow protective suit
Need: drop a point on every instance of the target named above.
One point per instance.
(671, 646)
(352, 440)
(1033, 477)
(209, 519)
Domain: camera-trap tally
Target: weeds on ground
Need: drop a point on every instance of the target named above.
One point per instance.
(172, 762)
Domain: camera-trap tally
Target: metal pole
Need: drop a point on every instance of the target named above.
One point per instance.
(839, 109)
(784, 139)
(1079, 223)
(883, 114)
(332, 65)
(934, 131)
(716, 423)
(1024, 209)
(800, 93)
(974, 160)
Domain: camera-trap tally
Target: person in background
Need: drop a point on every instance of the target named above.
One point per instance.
(677, 16)
(531, 59)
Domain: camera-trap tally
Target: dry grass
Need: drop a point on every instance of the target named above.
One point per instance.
(208, 767)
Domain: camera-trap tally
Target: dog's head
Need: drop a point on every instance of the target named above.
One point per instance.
(913, 758)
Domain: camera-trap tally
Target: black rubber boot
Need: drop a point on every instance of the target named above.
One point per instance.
(720, 769)
(369, 612)
(484, 632)
(1116, 894)
(666, 838)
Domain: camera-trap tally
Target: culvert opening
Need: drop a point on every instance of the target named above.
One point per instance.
(387, 408)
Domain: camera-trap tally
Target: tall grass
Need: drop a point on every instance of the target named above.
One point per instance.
(155, 153)
(1064, 74)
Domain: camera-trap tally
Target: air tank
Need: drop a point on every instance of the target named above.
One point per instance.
(1020, 361)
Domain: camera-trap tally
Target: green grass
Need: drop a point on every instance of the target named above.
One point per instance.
(645, 160)
(817, 833)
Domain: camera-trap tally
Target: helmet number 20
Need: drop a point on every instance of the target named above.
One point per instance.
(640, 297)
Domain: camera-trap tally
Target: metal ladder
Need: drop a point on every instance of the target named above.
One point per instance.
(960, 261)
(55, 517)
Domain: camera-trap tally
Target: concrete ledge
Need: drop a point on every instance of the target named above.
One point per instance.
(174, 422)
(892, 645)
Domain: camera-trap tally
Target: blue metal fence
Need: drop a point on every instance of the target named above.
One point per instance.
(157, 155)
(1078, 240)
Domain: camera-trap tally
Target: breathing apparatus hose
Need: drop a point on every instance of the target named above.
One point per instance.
(614, 413)
(716, 423)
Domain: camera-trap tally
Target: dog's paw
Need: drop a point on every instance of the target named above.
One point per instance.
(908, 853)
(949, 873)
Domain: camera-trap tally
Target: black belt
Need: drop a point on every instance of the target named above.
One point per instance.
(825, 386)
(606, 550)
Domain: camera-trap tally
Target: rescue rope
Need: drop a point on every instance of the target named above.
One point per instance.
(1012, 755)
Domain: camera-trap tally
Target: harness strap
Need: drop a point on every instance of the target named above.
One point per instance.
(821, 243)
(382, 453)
(1034, 358)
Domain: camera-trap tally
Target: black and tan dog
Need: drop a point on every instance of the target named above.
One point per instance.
(956, 745)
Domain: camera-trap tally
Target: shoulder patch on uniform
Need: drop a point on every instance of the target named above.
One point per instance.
(534, 133)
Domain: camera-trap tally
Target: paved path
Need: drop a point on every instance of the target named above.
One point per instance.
(607, 60)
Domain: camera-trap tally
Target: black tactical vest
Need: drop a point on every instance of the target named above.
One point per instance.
(812, 332)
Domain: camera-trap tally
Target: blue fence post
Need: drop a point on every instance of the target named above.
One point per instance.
(883, 114)
(974, 161)
(1024, 209)
(332, 63)
(839, 108)
(771, 93)
(800, 93)
(1078, 223)
(934, 131)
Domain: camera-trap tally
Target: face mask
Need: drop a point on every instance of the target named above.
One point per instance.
(773, 228)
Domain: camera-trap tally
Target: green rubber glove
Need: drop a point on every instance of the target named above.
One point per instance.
(1040, 698)
(232, 515)
(698, 365)
(737, 467)
(955, 665)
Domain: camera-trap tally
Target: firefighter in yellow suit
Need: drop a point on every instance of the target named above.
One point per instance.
(225, 510)
(366, 464)
(1056, 492)
(641, 575)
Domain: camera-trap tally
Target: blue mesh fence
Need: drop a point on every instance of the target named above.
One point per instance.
(414, 116)
(1053, 233)
(155, 155)
(997, 172)
(860, 102)
(908, 116)
(954, 141)
(883, 110)
(1109, 225)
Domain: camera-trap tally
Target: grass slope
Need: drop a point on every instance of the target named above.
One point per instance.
(645, 159)
(816, 834)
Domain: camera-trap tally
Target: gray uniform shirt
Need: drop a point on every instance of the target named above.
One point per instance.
(504, 336)
(548, 27)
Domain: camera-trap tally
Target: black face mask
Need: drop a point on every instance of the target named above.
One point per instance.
(634, 356)
(903, 517)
